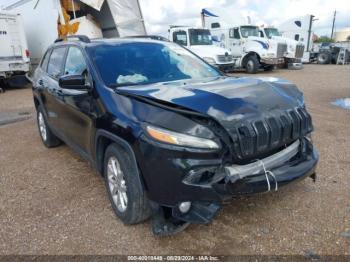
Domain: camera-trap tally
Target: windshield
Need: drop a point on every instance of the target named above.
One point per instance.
(270, 32)
(139, 63)
(200, 37)
(249, 31)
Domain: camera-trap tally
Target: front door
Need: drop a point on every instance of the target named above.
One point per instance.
(77, 111)
(235, 42)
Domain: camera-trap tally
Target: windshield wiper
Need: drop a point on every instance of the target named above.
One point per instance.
(124, 84)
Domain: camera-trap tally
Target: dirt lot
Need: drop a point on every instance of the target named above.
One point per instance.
(53, 202)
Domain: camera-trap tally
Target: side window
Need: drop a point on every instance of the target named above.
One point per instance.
(180, 37)
(215, 25)
(45, 60)
(234, 33)
(54, 68)
(75, 63)
(296, 37)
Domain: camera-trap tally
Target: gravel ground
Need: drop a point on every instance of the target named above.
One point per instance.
(53, 202)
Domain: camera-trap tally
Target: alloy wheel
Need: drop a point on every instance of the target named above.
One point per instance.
(117, 184)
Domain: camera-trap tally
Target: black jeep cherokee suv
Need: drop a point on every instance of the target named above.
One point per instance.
(172, 137)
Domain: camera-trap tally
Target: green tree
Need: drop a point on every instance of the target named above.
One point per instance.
(323, 39)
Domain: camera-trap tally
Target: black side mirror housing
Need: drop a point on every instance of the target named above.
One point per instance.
(76, 82)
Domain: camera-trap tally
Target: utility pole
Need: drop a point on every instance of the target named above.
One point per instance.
(335, 13)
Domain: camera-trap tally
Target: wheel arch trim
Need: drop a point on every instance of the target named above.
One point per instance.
(101, 133)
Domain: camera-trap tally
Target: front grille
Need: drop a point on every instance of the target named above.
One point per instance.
(299, 51)
(224, 58)
(281, 49)
(252, 139)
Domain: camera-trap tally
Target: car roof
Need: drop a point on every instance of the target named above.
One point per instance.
(101, 41)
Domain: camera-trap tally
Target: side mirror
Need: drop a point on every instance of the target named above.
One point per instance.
(76, 82)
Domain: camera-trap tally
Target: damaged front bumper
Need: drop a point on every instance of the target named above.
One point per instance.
(206, 184)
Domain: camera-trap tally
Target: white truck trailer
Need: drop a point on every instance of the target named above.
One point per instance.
(14, 53)
(199, 41)
(249, 50)
(295, 49)
(95, 18)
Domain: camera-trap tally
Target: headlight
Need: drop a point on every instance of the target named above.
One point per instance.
(209, 60)
(175, 138)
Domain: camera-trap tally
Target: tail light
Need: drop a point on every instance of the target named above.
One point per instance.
(27, 53)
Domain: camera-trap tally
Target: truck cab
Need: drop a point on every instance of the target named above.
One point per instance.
(249, 50)
(200, 42)
(295, 49)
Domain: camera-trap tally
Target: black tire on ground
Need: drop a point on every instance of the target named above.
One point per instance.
(252, 64)
(269, 68)
(324, 58)
(48, 138)
(137, 204)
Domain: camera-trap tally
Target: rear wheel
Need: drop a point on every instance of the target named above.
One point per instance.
(124, 187)
(48, 138)
(252, 64)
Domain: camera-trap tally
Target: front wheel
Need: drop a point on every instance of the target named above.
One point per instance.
(124, 187)
(252, 64)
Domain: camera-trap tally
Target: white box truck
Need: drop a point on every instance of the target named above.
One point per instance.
(14, 53)
(237, 34)
(96, 18)
(199, 41)
(295, 49)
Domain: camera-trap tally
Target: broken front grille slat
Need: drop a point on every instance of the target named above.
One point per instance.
(262, 135)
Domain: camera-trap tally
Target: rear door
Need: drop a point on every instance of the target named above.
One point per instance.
(10, 38)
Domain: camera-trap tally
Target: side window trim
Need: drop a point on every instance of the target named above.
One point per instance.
(46, 55)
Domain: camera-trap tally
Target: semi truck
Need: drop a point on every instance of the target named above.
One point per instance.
(295, 49)
(199, 41)
(14, 53)
(249, 50)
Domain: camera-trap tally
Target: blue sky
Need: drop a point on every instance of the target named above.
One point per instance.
(159, 14)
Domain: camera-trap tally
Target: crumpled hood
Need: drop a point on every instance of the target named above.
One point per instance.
(226, 99)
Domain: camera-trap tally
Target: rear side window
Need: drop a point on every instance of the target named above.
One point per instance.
(45, 60)
(54, 68)
(75, 63)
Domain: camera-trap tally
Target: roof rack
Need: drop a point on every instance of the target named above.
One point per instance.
(82, 38)
(154, 37)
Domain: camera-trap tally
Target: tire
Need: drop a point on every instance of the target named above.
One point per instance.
(252, 64)
(324, 58)
(268, 68)
(124, 188)
(48, 138)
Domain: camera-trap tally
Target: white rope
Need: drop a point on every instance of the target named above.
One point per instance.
(267, 173)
